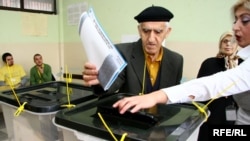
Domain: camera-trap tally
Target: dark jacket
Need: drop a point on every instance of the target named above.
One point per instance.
(218, 107)
(131, 78)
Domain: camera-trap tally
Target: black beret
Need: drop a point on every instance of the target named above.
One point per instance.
(154, 13)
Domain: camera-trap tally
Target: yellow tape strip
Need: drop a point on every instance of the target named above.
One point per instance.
(68, 80)
(21, 107)
(111, 133)
(203, 109)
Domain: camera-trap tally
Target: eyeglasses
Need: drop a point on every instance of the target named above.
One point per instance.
(226, 41)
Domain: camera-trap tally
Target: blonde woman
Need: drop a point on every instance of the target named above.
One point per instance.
(225, 59)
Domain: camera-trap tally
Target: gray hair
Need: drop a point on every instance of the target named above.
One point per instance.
(166, 23)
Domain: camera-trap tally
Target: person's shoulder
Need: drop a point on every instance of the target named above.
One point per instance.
(172, 53)
(33, 67)
(46, 65)
(18, 65)
(213, 59)
(4, 67)
(125, 48)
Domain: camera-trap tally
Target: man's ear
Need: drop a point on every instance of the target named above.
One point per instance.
(139, 31)
(169, 29)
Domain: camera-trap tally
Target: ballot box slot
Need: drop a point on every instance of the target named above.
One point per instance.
(48, 97)
(31, 97)
(139, 119)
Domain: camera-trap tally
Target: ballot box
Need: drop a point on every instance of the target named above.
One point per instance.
(43, 101)
(169, 122)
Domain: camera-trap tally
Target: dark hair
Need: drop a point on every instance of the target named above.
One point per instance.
(5, 55)
(37, 54)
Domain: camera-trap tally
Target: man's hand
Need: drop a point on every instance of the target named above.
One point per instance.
(90, 74)
(40, 69)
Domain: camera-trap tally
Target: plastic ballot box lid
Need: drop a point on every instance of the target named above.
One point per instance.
(47, 97)
(43, 101)
(169, 122)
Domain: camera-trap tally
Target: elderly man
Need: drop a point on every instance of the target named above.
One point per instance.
(150, 66)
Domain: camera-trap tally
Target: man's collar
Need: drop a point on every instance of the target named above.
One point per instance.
(159, 57)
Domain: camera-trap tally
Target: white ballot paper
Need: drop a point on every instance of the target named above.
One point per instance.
(100, 50)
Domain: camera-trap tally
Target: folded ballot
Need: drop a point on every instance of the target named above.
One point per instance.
(100, 50)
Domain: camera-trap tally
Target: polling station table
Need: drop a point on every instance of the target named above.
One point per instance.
(171, 122)
(43, 101)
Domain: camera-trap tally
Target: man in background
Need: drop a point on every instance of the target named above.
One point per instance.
(12, 74)
(41, 72)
